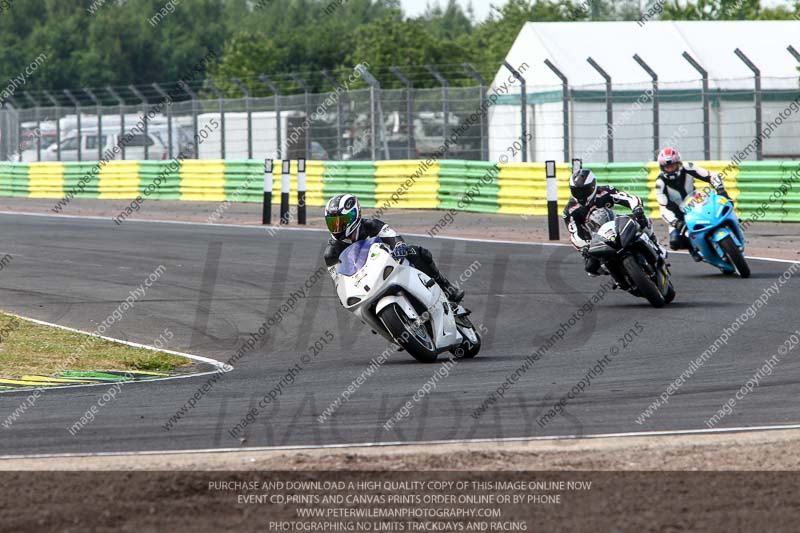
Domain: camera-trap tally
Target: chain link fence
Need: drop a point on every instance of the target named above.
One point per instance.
(381, 124)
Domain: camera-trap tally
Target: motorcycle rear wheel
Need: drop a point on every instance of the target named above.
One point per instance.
(416, 340)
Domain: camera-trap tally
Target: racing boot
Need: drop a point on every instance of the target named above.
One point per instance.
(454, 294)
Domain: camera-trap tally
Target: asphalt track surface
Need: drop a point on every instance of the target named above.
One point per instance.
(221, 283)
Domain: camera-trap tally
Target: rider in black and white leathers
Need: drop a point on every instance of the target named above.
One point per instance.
(587, 195)
(673, 186)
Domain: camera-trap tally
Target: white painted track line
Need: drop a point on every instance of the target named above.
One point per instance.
(744, 429)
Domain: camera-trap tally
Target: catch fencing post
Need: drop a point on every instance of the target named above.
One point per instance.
(221, 97)
(121, 104)
(301, 192)
(285, 185)
(13, 104)
(57, 105)
(77, 106)
(374, 108)
(266, 211)
(564, 104)
(145, 120)
(552, 200)
(277, 91)
(757, 96)
(484, 114)
(248, 107)
(609, 108)
(307, 104)
(523, 107)
(99, 122)
(38, 117)
(168, 104)
(193, 95)
(6, 146)
(409, 109)
(706, 105)
(445, 102)
(656, 119)
(340, 91)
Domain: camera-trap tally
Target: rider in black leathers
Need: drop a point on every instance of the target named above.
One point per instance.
(587, 195)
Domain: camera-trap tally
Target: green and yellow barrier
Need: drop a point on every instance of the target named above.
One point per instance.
(767, 190)
(468, 186)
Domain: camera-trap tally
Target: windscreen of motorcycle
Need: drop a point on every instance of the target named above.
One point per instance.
(355, 256)
(608, 231)
(695, 201)
(598, 217)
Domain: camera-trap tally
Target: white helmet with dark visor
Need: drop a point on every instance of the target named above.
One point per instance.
(343, 216)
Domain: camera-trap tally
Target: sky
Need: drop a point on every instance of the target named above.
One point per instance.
(482, 7)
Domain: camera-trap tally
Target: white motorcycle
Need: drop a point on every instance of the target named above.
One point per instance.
(402, 304)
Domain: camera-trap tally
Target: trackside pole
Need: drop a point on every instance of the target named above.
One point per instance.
(552, 200)
(266, 212)
(285, 176)
(301, 192)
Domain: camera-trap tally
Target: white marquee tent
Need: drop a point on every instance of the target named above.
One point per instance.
(661, 45)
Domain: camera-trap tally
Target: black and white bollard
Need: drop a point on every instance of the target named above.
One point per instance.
(301, 192)
(285, 184)
(266, 212)
(552, 200)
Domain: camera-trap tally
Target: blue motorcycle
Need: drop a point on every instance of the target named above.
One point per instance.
(713, 230)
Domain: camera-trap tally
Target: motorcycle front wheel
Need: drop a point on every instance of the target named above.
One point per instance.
(735, 256)
(643, 282)
(467, 349)
(670, 293)
(414, 338)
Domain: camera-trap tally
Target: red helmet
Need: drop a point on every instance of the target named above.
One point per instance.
(669, 160)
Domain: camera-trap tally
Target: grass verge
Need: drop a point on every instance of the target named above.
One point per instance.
(30, 348)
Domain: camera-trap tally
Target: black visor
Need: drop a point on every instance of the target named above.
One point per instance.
(583, 192)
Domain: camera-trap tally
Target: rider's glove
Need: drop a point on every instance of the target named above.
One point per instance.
(641, 218)
(400, 250)
(585, 251)
(679, 225)
(723, 192)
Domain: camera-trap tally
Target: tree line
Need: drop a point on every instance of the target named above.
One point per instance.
(95, 43)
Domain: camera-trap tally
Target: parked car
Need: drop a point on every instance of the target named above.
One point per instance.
(134, 149)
